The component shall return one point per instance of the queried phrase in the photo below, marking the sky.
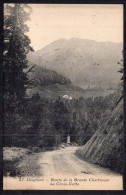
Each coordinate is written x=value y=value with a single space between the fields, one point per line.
x=99 y=22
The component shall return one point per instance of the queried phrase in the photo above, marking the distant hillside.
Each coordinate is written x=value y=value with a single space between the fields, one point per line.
x=50 y=84
x=44 y=77
x=87 y=63
x=106 y=146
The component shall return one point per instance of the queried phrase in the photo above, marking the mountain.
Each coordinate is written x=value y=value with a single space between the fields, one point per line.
x=50 y=84
x=106 y=146
x=87 y=63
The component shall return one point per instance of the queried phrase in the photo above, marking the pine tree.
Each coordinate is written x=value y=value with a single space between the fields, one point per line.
x=122 y=67
x=122 y=75
x=16 y=47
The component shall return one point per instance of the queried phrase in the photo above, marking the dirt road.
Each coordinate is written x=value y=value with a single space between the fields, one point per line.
x=65 y=162
x=61 y=170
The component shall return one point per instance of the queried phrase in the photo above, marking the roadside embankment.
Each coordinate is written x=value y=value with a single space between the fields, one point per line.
x=106 y=146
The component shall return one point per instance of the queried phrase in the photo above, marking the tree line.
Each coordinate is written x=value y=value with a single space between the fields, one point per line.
x=46 y=123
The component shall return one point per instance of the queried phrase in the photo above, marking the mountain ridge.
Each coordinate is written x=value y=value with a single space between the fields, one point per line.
x=71 y=57
x=91 y=40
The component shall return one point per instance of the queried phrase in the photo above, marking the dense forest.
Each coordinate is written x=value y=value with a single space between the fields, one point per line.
x=46 y=123
x=41 y=76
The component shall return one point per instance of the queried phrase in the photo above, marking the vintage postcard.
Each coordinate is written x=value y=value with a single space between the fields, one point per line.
x=63 y=97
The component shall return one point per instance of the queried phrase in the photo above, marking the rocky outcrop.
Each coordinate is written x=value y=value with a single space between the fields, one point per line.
x=106 y=146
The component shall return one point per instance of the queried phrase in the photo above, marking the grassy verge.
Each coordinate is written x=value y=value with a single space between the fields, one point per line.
x=21 y=162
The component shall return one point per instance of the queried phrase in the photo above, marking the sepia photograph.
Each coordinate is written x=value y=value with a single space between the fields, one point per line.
x=63 y=96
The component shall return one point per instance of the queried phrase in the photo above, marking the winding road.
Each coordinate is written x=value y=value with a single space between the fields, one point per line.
x=65 y=162
x=62 y=170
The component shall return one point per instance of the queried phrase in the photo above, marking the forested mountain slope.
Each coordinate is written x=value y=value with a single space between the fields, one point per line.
x=44 y=76
x=50 y=84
